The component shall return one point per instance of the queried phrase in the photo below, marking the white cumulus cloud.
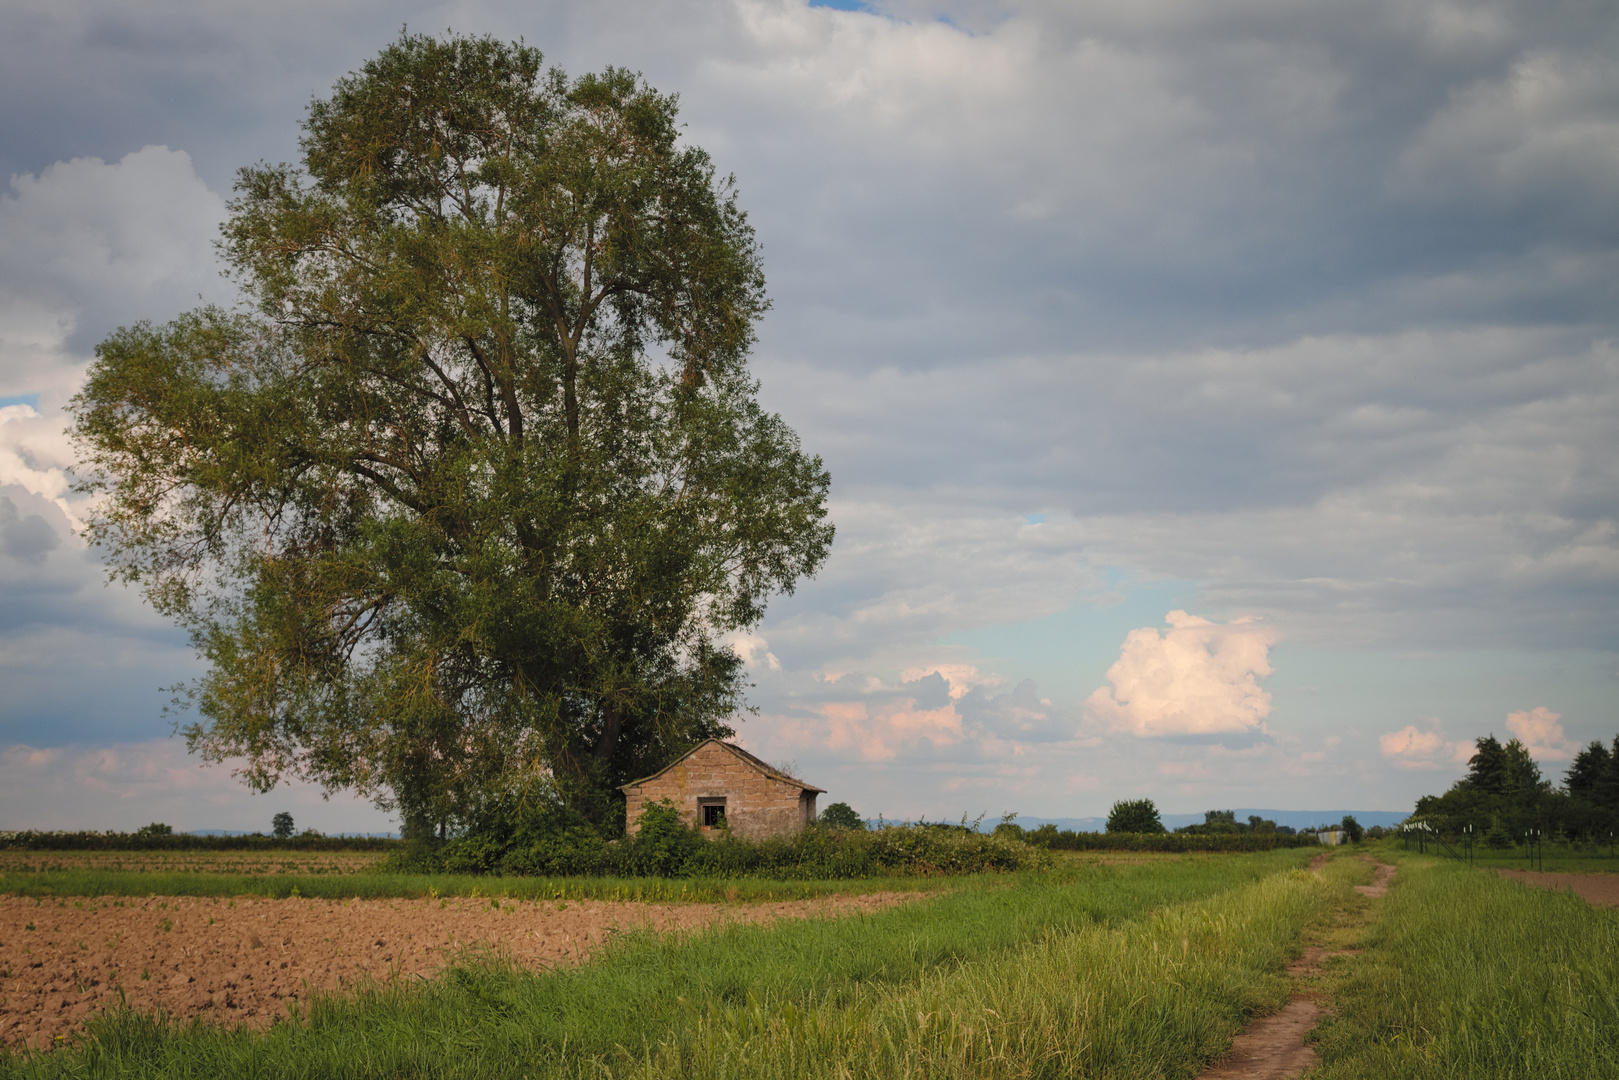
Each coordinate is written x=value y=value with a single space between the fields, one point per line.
x=1197 y=678
x=1540 y=730
x=1413 y=748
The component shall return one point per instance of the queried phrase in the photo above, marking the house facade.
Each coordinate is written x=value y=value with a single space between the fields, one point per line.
x=719 y=785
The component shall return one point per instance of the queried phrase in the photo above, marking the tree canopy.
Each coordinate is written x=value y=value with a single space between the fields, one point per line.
x=474 y=486
x=1134 y=816
x=1504 y=793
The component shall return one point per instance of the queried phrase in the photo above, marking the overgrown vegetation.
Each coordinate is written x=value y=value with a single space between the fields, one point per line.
x=374 y=886
x=1125 y=971
x=1471 y=975
x=527 y=838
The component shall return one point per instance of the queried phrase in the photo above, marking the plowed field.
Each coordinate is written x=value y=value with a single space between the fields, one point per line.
x=246 y=960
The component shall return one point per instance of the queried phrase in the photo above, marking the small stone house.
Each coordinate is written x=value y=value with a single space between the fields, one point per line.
x=718 y=784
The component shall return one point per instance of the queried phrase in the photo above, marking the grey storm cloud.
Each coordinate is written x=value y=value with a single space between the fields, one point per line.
x=26 y=539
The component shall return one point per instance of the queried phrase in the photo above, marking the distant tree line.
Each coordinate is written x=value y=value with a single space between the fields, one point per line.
x=1134 y=825
x=146 y=840
x=1504 y=795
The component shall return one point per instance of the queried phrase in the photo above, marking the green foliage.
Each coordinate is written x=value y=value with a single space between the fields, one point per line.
x=1181 y=841
x=1496 y=836
x=1487 y=768
x=281 y=826
x=1224 y=822
x=840 y=815
x=479 y=487
x=1134 y=816
x=1352 y=829
x=665 y=846
x=1504 y=794
x=156 y=828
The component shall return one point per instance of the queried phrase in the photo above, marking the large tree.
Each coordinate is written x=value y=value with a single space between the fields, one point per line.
x=474 y=486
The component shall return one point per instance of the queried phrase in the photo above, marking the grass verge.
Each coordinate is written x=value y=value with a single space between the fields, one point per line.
x=1120 y=971
x=1471 y=975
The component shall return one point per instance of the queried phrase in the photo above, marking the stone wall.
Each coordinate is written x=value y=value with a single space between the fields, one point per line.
x=756 y=805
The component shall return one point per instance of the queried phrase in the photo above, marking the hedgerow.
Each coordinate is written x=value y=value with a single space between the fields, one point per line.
x=1050 y=837
x=665 y=846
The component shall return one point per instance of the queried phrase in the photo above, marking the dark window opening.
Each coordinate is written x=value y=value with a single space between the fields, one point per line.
x=713 y=814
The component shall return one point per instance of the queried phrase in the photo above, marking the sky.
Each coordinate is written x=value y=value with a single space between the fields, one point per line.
x=1221 y=399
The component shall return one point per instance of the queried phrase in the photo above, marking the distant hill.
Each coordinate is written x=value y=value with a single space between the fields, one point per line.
x=1298 y=819
x=243 y=832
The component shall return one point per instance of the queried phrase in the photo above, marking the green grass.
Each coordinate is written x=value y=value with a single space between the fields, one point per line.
x=92 y=882
x=1102 y=970
x=1554 y=857
x=1467 y=975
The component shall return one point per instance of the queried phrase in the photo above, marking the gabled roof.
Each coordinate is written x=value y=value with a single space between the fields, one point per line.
x=764 y=767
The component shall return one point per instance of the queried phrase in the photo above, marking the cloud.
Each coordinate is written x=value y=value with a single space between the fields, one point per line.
x=1198 y=678
x=26 y=539
x=1199 y=284
x=86 y=245
x=124 y=785
x=962 y=678
x=33 y=456
x=873 y=731
x=1540 y=730
x=753 y=650
x=1411 y=748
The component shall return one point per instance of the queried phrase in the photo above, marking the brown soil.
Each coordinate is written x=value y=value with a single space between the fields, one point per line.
x=1273 y=1047
x=1599 y=889
x=1381 y=885
x=246 y=960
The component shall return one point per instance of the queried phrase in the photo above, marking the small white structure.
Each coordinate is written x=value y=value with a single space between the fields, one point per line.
x=1330 y=837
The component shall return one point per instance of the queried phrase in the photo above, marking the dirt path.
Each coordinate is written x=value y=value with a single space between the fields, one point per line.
x=1601 y=890
x=1273 y=1047
x=245 y=960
